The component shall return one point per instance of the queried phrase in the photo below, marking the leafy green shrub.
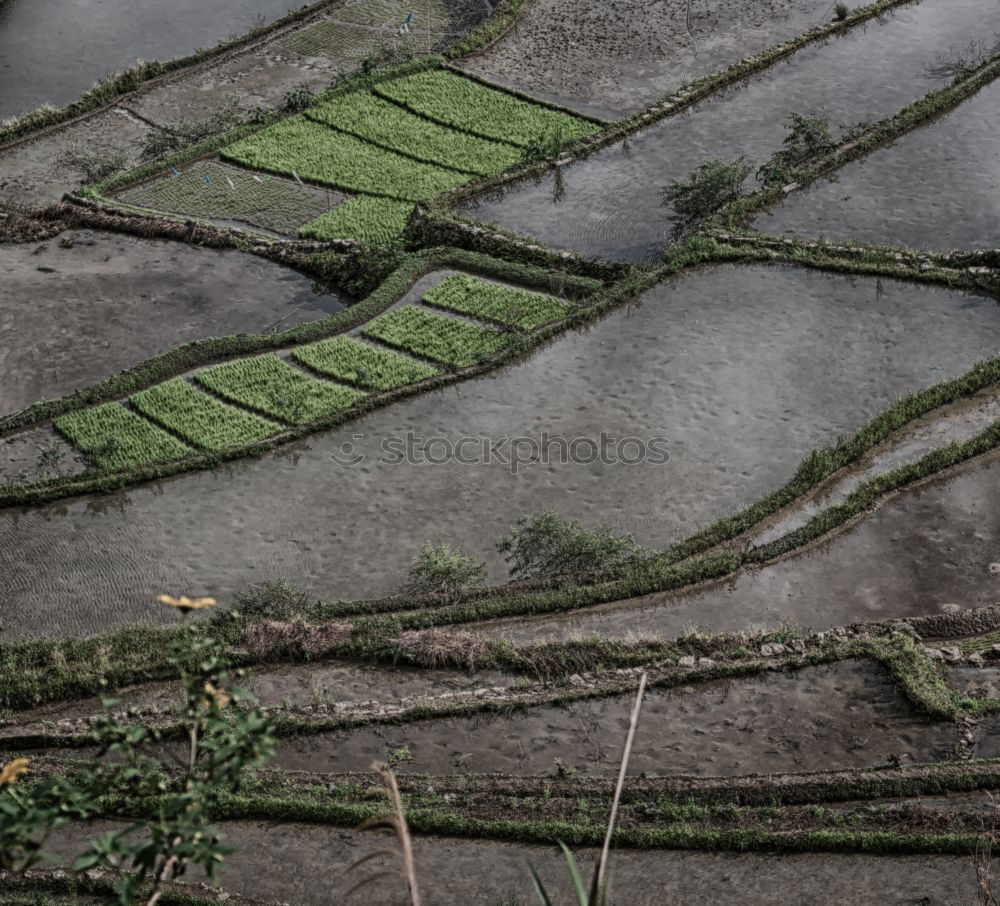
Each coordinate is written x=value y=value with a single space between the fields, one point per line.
x=436 y=337
x=275 y=388
x=493 y=302
x=808 y=137
x=377 y=120
x=366 y=218
x=201 y=419
x=439 y=569
x=548 y=546
x=709 y=186
x=301 y=147
x=453 y=100
x=359 y=363
x=548 y=145
x=116 y=438
x=300 y=97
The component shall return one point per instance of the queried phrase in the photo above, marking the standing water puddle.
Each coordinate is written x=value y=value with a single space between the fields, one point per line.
x=743 y=371
x=609 y=204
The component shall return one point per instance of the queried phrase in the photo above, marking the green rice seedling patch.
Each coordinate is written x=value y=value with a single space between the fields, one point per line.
x=115 y=438
x=312 y=151
x=201 y=419
x=367 y=218
x=212 y=190
x=492 y=302
x=376 y=120
x=336 y=40
x=358 y=363
x=436 y=337
x=452 y=100
x=276 y=388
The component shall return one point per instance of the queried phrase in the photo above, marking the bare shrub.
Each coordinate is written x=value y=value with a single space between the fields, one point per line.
x=280 y=639
x=443 y=648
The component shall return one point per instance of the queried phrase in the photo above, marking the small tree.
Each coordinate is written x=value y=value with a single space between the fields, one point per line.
x=708 y=187
x=439 y=569
x=808 y=137
x=547 y=546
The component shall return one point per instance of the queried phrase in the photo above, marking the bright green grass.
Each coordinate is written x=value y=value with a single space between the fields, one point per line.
x=317 y=153
x=210 y=189
x=361 y=364
x=376 y=120
x=367 y=218
x=452 y=100
x=492 y=302
x=436 y=337
x=276 y=388
x=201 y=419
x=116 y=438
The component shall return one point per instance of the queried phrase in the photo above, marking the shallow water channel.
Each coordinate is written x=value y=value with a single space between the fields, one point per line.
x=610 y=206
x=742 y=371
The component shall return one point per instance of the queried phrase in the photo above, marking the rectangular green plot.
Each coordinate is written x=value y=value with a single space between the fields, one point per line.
x=312 y=151
x=115 y=437
x=366 y=218
x=436 y=336
x=376 y=120
x=361 y=364
x=492 y=302
x=209 y=189
x=201 y=419
x=276 y=388
x=462 y=103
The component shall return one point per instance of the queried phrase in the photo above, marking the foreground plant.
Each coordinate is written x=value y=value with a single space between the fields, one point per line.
x=597 y=895
x=807 y=138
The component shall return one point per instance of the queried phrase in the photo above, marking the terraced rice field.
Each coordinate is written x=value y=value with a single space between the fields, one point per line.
x=655 y=516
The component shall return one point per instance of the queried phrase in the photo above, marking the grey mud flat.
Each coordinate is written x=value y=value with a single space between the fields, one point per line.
x=936 y=188
x=743 y=370
x=610 y=205
x=305 y=864
x=80 y=307
x=926 y=550
x=841 y=715
x=607 y=58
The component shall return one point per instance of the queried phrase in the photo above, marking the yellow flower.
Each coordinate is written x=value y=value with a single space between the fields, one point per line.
x=185 y=603
x=10 y=772
x=220 y=697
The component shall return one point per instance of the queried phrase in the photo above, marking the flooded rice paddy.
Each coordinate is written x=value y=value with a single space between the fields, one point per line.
x=302 y=863
x=935 y=188
x=82 y=306
x=743 y=371
x=609 y=204
x=843 y=715
x=925 y=551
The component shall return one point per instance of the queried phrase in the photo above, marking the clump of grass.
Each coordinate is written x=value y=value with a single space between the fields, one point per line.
x=270 y=640
x=440 y=569
x=444 y=648
x=807 y=138
x=841 y=11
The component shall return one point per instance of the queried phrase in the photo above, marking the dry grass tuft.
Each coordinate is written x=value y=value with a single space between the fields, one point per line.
x=444 y=648
x=279 y=639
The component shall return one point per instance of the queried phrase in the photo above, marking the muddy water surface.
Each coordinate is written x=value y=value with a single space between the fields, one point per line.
x=938 y=187
x=610 y=205
x=84 y=305
x=844 y=715
x=53 y=51
x=925 y=551
x=743 y=371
